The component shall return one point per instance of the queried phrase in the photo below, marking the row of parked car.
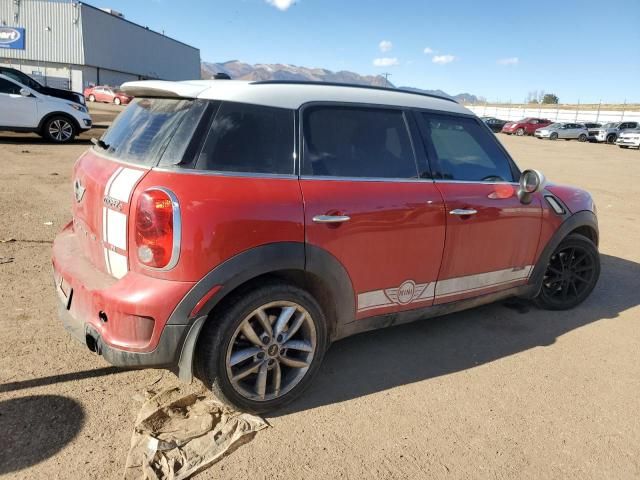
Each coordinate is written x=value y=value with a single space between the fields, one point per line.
x=623 y=134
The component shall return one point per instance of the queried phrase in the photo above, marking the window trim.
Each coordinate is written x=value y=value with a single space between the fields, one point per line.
x=437 y=172
x=406 y=112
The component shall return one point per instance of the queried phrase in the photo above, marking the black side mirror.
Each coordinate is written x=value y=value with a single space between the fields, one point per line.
x=531 y=181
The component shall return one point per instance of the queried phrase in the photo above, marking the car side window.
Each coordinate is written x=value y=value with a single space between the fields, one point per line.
x=247 y=138
x=8 y=87
x=363 y=142
x=464 y=150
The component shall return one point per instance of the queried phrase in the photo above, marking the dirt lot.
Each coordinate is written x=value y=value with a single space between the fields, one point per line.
x=489 y=393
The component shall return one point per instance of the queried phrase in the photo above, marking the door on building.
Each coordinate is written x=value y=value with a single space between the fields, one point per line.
x=16 y=110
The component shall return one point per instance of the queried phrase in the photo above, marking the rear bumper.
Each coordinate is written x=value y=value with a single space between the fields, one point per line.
x=124 y=320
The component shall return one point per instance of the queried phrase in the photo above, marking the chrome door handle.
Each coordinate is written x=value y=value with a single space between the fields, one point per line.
x=331 y=218
x=463 y=211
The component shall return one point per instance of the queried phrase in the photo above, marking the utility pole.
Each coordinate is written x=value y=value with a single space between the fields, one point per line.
x=386 y=76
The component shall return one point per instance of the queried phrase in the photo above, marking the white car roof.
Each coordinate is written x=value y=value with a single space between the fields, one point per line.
x=290 y=95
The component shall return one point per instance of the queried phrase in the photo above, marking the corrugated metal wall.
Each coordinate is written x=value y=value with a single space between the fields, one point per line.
x=114 y=44
x=53 y=30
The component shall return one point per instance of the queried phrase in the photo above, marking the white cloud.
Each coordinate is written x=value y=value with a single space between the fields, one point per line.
x=509 y=61
x=428 y=51
x=442 y=59
x=385 y=46
x=281 y=4
x=385 y=62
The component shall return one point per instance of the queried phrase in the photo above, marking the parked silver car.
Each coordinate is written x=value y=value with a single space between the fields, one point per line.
x=609 y=131
x=564 y=130
x=629 y=138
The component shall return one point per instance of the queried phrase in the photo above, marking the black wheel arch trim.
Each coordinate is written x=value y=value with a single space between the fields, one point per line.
x=48 y=116
x=578 y=220
x=265 y=259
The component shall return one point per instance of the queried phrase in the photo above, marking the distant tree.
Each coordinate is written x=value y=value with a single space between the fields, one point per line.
x=550 y=98
x=532 y=97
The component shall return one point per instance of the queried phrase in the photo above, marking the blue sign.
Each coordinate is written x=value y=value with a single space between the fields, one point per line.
x=12 y=38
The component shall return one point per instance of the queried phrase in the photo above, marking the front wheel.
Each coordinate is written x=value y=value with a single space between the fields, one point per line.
x=582 y=137
x=553 y=136
x=59 y=129
x=117 y=101
x=520 y=132
x=264 y=348
x=92 y=98
x=572 y=274
x=611 y=139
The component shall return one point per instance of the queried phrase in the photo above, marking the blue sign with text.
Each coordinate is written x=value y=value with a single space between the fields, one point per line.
x=11 y=37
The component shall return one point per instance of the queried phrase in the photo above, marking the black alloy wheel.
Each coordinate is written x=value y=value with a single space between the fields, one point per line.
x=572 y=274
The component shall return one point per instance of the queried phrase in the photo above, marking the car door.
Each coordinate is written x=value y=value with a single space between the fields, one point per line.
x=366 y=204
x=531 y=126
x=491 y=237
x=17 y=110
x=565 y=131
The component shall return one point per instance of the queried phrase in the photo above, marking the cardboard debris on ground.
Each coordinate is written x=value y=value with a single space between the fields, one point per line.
x=177 y=435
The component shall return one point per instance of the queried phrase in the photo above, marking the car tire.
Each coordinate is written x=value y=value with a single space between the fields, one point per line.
x=117 y=101
x=571 y=275
x=553 y=136
x=611 y=138
x=520 y=132
x=92 y=98
x=236 y=342
x=59 y=129
x=582 y=138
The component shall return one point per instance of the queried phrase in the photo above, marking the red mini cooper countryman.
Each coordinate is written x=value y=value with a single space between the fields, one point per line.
x=233 y=230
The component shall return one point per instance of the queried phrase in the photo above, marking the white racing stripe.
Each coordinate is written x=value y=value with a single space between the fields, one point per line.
x=410 y=292
x=114 y=223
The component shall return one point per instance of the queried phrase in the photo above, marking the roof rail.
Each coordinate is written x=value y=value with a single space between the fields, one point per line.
x=351 y=85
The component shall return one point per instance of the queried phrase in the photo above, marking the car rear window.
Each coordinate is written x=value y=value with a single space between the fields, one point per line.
x=142 y=132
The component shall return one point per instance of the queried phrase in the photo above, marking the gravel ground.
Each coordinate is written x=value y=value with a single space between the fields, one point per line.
x=496 y=392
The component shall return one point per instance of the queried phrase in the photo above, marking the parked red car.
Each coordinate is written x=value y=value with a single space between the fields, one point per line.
x=526 y=126
x=107 y=95
x=233 y=230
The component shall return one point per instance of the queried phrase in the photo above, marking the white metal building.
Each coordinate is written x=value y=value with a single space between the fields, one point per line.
x=70 y=44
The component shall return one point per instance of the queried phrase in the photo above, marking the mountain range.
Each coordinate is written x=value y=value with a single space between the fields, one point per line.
x=281 y=71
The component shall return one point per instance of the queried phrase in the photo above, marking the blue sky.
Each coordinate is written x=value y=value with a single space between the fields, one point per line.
x=580 y=50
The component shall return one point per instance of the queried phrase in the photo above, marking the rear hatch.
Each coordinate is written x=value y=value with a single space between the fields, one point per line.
x=106 y=176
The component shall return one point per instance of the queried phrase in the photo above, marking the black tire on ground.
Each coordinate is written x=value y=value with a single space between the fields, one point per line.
x=583 y=137
x=92 y=98
x=572 y=274
x=59 y=129
x=520 y=132
x=223 y=334
x=553 y=136
x=611 y=138
x=117 y=101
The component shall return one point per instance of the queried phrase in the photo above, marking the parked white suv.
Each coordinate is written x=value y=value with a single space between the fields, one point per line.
x=629 y=138
x=25 y=110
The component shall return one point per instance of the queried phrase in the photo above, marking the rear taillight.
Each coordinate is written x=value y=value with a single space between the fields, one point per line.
x=157 y=228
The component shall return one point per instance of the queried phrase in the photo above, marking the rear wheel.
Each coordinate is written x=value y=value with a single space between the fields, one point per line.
x=553 y=136
x=572 y=274
x=59 y=129
x=582 y=137
x=520 y=132
x=264 y=348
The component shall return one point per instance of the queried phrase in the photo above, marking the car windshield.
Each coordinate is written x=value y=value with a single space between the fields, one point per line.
x=144 y=130
x=610 y=125
x=555 y=125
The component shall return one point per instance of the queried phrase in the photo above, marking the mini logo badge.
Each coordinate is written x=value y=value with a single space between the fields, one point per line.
x=78 y=190
x=407 y=292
